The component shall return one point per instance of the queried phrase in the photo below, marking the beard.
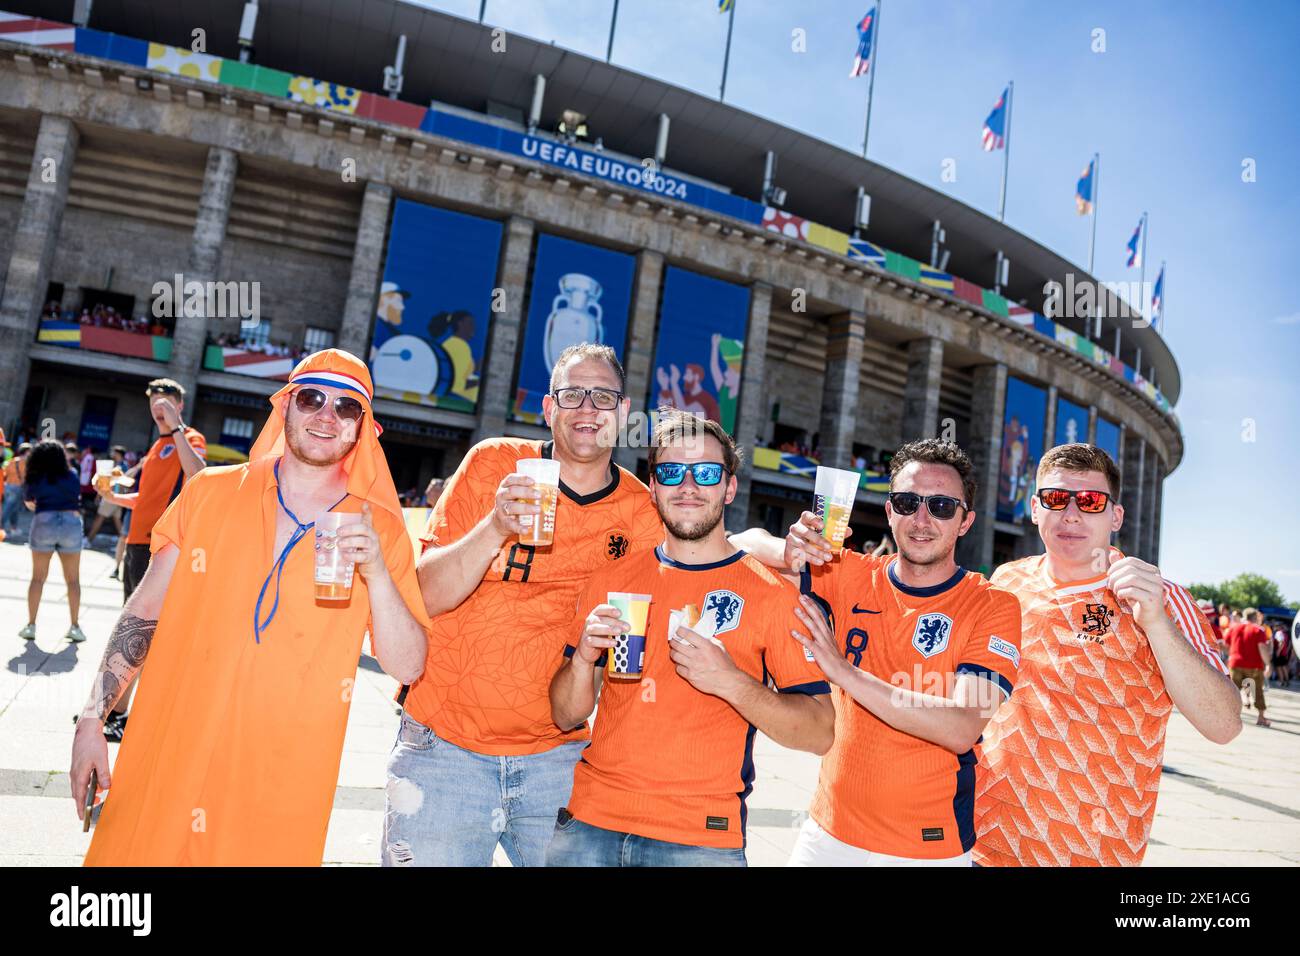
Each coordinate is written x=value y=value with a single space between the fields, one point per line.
x=922 y=560
x=696 y=530
x=302 y=448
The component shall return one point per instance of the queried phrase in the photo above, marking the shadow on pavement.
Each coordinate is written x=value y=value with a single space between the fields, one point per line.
x=33 y=660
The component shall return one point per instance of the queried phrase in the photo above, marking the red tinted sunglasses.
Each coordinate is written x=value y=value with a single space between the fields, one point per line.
x=1058 y=499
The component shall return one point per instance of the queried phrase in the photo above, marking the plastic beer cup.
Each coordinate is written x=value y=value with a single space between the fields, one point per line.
x=333 y=572
x=833 y=502
x=626 y=658
x=539 y=529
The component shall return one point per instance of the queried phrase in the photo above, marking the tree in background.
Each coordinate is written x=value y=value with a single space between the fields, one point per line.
x=1245 y=590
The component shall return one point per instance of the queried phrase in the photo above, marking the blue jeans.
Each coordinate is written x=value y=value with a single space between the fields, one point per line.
x=13 y=503
x=579 y=844
x=56 y=531
x=447 y=806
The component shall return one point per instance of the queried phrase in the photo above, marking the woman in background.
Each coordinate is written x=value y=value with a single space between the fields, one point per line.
x=53 y=491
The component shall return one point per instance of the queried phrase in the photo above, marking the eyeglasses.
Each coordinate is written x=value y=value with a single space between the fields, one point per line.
x=603 y=399
x=704 y=473
x=312 y=400
x=1058 y=499
x=942 y=507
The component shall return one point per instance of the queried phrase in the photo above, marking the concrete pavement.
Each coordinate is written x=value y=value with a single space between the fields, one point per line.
x=1219 y=806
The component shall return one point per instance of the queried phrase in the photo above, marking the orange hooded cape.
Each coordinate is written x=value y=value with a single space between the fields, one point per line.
x=233 y=749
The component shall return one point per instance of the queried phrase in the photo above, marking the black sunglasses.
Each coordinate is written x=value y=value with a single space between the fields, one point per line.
x=603 y=399
x=942 y=507
x=704 y=473
x=312 y=400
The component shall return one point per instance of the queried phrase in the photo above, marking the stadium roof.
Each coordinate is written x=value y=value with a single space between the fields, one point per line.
x=449 y=59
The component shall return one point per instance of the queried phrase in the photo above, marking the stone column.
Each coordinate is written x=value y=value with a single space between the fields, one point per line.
x=1133 y=481
x=367 y=271
x=28 y=275
x=507 y=327
x=840 y=388
x=753 y=399
x=190 y=335
x=1150 y=495
x=1092 y=424
x=921 y=393
x=641 y=345
x=988 y=403
x=1157 y=503
x=1049 y=427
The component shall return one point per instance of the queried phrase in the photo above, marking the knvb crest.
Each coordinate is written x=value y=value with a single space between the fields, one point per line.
x=1096 y=618
x=931 y=634
x=725 y=606
x=616 y=545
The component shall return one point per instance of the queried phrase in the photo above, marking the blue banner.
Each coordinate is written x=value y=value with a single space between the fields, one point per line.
x=435 y=305
x=701 y=346
x=589 y=162
x=1108 y=438
x=580 y=293
x=1023 y=424
x=1071 y=422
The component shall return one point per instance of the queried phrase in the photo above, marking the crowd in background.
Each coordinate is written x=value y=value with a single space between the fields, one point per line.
x=1256 y=648
x=230 y=340
x=104 y=316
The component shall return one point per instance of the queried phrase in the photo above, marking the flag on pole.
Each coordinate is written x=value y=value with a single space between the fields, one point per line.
x=1083 y=190
x=725 y=5
x=995 y=127
x=1158 y=299
x=862 y=59
x=1135 y=247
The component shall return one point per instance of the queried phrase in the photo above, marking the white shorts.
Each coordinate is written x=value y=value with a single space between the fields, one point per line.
x=816 y=847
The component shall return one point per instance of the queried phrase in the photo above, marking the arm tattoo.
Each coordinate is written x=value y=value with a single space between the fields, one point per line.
x=130 y=643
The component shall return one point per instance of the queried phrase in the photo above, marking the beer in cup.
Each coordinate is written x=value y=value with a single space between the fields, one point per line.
x=833 y=502
x=625 y=660
x=333 y=571
x=539 y=529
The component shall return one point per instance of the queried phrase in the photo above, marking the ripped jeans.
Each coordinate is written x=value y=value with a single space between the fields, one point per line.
x=447 y=806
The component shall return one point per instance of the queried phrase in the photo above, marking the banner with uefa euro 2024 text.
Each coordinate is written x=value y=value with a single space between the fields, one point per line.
x=1023 y=424
x=701 y=346
x=435 y=305
x=1071 y=422
x=580 y=293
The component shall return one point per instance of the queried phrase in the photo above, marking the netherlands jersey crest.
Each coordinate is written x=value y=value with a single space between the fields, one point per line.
x=725 y=606
x=931 y=634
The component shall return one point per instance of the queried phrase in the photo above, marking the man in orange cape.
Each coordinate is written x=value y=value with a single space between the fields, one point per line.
x=237 y=732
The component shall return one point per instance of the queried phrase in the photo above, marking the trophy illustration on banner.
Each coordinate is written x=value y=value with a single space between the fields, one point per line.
x=575 y=316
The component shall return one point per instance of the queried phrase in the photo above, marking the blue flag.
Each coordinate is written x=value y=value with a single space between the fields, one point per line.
x=1083 y=191
x=1158 y=300
x=995 y=127
x=1135 y=247
x=862 y=59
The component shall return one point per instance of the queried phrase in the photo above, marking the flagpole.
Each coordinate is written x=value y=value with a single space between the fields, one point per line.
x=609 y=52
x=726 y=58
x=871 y=83
x=1006 y=156
x=1164 y=298
x=1096 y=201
x=1142 y=275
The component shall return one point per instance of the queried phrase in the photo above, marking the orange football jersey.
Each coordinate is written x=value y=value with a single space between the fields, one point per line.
x=160 y=482
x=1070 y=767
x=487 y=675
x=667 y=761
x=881 y=789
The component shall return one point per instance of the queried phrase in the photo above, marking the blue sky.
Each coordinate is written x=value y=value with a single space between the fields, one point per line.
x=1183 y=94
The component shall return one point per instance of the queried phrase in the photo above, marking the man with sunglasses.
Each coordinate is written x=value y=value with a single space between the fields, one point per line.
x=921 y=653
x=237 y=731
x=1071 y=765
x=478 y=761
x=670 y=764
x=176 y=457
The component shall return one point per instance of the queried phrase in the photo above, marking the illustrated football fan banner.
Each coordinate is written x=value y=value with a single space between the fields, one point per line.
x=1071 y=422
x=435 y=304
x=1023 y=424
x=580 y=293
x=1108 y=438
x=701 y=346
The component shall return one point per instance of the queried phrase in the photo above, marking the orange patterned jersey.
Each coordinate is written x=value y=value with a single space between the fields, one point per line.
x=667 y=761
x=1071 y=764
x=487 y=675
x=881 y=789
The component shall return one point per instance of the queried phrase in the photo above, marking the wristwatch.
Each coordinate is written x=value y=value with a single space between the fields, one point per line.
x=178 y=428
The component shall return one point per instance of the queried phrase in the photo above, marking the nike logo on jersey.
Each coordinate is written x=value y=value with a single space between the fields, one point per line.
x=862 y=610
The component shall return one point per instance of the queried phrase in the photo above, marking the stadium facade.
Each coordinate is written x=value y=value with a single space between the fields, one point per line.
x=238 y=212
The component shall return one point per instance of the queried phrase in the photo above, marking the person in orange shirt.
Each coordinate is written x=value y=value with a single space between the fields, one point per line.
x=671 y=759
x=15 y=474
x=1070 y=769
x=246 y=679
x=478 y=760
x=921 y=653
x=164 y=471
